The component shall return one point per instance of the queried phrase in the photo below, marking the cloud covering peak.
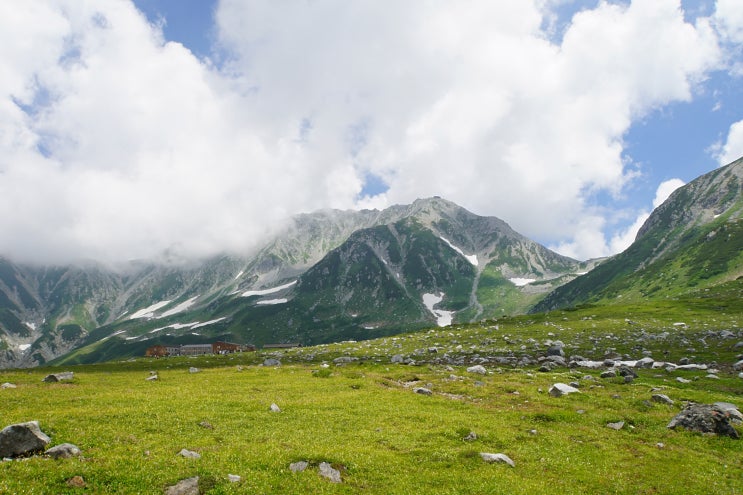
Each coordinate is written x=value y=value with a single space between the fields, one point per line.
x=116 y=143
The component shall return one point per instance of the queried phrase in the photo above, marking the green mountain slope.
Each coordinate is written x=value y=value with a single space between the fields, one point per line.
x=692 y=242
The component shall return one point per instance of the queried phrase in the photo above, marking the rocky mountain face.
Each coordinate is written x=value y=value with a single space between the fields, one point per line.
x=692 y=242
x=330 y=275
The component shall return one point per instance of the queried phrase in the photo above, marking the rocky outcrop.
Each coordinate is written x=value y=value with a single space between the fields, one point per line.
x=22 y=439
x=705 y=418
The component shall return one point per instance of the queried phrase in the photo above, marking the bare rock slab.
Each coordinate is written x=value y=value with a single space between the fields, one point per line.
x=488 y=457
x=22 y=439
x=560 y=389
x=189 y=486
x=329 y=472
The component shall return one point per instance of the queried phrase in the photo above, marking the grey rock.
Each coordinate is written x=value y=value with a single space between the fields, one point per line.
x=477 y=369
x=193 y=370
x=422 y=391
x=608 y=374
x=616 y=426
x=59 y=377
x=738 y=366
x=298 y=467
x=682 y=380
x=271 y=362
x=555 y=350
x=189 y=486
x=329 y=472
x=488 y=457
x=662 y=398
x=234 y=478
x=7 y=385
x=22 y=439
x=275 y=408
x=704 y=418
x=344 y=360
x=731 y=410
x=397 y=359
x=560 y=389
x=626 y=371
x=471 y=437
x=151 y=378
x=63 y=451
x=189 y=454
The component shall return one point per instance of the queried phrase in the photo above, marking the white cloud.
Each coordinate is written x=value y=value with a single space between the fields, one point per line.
x=733 y=147
x=665 y=189
x=115 y=144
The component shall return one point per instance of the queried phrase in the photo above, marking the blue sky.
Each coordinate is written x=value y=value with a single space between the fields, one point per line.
x=212 y=122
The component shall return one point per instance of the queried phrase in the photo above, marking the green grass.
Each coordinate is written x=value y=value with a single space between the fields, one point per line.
x=365 y=419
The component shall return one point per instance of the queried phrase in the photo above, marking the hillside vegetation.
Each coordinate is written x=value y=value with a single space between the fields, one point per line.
x=349 y=405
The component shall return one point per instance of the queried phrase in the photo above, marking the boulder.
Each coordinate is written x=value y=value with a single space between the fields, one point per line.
x=189 y=454
x=705 y=418
x=560 y=389
x=477 y=369
x=298 y=467
x=662 y=398
x=271 y=362
x=275 y=408
x=63 y=451
x=422 y=391
x=59 y=377
x=7 y=385
x=22 y=439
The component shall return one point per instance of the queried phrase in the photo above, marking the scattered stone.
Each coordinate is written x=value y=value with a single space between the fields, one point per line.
x=329 y=472
x=616 y=426
x=76 y=482
x=63 y=451
x=487 y=457
x=471 y=436
x=59 y=377
x=608 y=374
x=477 y=369
x=626 y=371
x=660 y=445
x=560 y=389
x=193 y=370
x=271 y=362
x=7 y=385
x=22 y=439
x=151 y=378
x=532 y=432
x=662 y=398
x=555 y=350
x=275 y=408
x=682 y=380
x=705 y=418
x=422 y=391
x=344 y=360
x=206 y=425
x=234 y=478
x=189 y=486
x=298 y=467
x=738 y=366
x=397 y=359
x=189 y=454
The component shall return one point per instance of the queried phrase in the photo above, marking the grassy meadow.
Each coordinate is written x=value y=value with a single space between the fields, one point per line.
x=364 y=418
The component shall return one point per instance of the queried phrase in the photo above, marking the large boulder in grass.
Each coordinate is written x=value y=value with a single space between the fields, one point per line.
x=64 y=376
x=22 y=439
x=705 y=418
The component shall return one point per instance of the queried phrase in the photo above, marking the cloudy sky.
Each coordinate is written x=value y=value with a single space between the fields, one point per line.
x=133 y=128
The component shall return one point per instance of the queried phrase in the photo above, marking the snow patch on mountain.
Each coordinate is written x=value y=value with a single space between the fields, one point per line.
x=443 y=318
x=264 y=292
x=272 y=301
x=520 y=282
x=149 y=311
x=181 y=307
x=472 y=258
x=24 y=347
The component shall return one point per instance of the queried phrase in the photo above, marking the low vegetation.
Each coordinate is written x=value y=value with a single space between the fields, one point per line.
x=362 y=416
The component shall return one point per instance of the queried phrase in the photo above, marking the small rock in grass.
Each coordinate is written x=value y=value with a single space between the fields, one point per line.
x=63 y=451
x=189 y=454
x=151 y=378
x=189 y=486
x=76 y=482
x=7 y=385
x=234 y=478
x=487 y=457
x=206 y=425
x=271 y=362
x=58 y=377
x=662 y=398
x=682 y=380
x=616 y=426
x=275 y=408
x=471 y=436
x=298 y=467
x=422 y=391
x=329 y=472
x=193 y=370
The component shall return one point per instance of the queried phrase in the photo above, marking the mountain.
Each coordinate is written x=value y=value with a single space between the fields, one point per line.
x=326 y=276
x=690 y=243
